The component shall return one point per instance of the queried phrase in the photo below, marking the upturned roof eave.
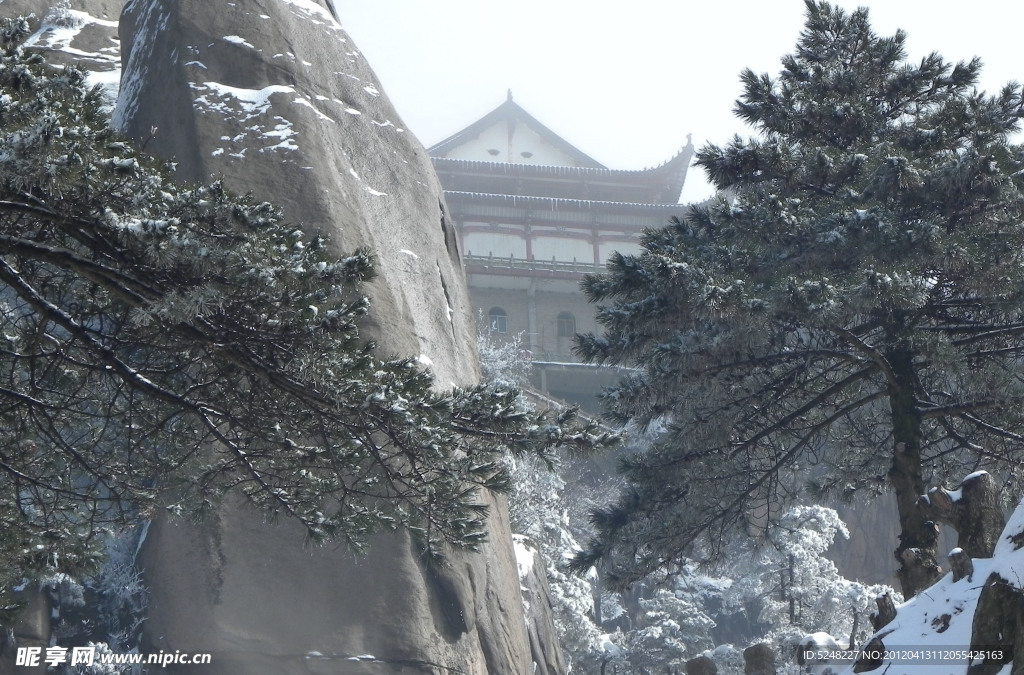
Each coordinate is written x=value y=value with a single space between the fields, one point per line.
x=553 y=202
x=667 y=178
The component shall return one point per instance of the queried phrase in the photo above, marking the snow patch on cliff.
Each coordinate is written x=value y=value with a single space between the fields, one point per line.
x=238 y=40
x=315 y=13
x=59 y=30
x=236 y=102
x=525 y=555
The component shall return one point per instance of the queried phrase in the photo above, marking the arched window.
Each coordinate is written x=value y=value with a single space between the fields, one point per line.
x=498 y=320
x=566 y=325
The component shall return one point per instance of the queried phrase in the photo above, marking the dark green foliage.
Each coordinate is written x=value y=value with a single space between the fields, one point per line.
x=848 y=314
x=162 y=347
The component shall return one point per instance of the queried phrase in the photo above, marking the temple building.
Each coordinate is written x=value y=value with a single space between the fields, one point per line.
x=534 y=214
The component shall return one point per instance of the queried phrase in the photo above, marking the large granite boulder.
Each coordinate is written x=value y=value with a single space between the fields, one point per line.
x=274 y=98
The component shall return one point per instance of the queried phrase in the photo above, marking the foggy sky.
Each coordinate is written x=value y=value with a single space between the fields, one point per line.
x=626 y=82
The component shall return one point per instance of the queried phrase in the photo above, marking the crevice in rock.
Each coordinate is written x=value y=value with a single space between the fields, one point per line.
x=449 y=310
x=451 y=242
x=448 y=603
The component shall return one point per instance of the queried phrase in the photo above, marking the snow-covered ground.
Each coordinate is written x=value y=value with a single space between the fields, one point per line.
x=931 y=634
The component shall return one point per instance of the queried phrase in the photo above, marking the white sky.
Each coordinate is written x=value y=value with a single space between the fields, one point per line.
x=626 y=81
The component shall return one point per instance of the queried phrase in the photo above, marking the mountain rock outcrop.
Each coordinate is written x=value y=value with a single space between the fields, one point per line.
x=539 y=614
x=272 y=97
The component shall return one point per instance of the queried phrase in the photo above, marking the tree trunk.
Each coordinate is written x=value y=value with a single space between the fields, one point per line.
x=789 y=590
x=918 y=535
x=853 y=630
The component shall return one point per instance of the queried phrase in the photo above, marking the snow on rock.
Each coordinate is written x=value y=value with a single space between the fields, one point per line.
x=317 y=14
x=83 y=34
x=930 y=628
x=237 y=40
x=235 y=102
x=525 y=555
x=540 y=622
x=1008 y=558
x=820 y=640
x=608 y=647
x=972 y=476
x=940 y=617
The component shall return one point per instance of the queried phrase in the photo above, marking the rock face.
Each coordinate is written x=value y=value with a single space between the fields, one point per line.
x=984 y=612
x=31 y=630
x=540 y=623
x=999 y=618
x=273 y=97
x=973 y=510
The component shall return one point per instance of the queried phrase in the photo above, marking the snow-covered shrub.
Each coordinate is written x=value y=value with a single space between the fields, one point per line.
x=728 y=659
x=105 y=609
x=797 y=588
x=537 y=510
x=669 y=631
x=503 y=358
x=98 y=668
x=121 y=597
x=62 y=16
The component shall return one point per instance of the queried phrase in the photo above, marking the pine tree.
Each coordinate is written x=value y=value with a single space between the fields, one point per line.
x=163 y=346
x=846 y=318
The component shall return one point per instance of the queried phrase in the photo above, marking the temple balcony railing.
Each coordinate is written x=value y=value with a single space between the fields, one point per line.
x=573 y=267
